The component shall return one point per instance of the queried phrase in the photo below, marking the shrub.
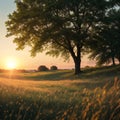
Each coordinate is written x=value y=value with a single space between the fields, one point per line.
x=42 y=68
x=53 y=68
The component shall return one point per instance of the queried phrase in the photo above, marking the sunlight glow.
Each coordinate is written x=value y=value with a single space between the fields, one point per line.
x=11 y=63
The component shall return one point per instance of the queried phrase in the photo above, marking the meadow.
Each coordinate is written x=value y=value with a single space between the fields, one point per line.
x=61 y=95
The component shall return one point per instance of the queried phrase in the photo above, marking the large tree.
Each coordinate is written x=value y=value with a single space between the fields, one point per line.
x=59 y=27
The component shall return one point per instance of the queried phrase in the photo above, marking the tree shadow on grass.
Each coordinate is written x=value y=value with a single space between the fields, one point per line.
x=101 y=73
x=54 y=75
x=91 y=74
x=97 y=74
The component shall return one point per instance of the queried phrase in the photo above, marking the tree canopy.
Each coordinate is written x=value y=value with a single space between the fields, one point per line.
x=106 y=47
x=59 y=27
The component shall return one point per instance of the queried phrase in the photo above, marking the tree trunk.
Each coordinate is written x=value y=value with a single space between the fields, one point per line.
x=119 y=60
x=113 y=61
x=76 y=57
x=77 y=60
x=77 y=66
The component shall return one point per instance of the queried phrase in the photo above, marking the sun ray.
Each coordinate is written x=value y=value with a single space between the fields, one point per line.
x=11 y=63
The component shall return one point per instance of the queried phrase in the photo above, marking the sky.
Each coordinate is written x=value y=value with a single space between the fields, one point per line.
x=23 y=58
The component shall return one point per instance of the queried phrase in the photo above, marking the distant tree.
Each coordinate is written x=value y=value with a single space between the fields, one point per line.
x=59 y=27
x=53 y=68
x=106 y=45
x=42 y=68
x=116 y=16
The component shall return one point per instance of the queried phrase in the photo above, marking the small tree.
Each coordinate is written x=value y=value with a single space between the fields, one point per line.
x=53 y=68
x=42 y=68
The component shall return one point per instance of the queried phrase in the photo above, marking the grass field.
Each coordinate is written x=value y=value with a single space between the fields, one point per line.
x=60 y=95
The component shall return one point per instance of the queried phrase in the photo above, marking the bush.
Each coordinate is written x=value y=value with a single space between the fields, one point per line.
x=53 y=68
x=42 y=68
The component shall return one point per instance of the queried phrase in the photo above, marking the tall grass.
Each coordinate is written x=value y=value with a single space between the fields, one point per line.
x=101 y=104
x=56 y=100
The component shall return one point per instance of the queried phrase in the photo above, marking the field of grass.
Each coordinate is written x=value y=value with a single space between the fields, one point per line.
x=60 y=95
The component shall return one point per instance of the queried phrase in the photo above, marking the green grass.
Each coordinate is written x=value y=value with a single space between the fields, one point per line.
x=60 y=95
x=96 y=73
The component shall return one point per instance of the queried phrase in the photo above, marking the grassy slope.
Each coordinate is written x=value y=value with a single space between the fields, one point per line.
x=89 y=78
x=59 y=94
x=88 y=73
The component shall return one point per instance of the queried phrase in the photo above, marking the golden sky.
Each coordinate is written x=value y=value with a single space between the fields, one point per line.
x=23 y=58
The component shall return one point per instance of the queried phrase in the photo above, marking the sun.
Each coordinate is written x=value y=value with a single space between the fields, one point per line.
x=11 y=63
